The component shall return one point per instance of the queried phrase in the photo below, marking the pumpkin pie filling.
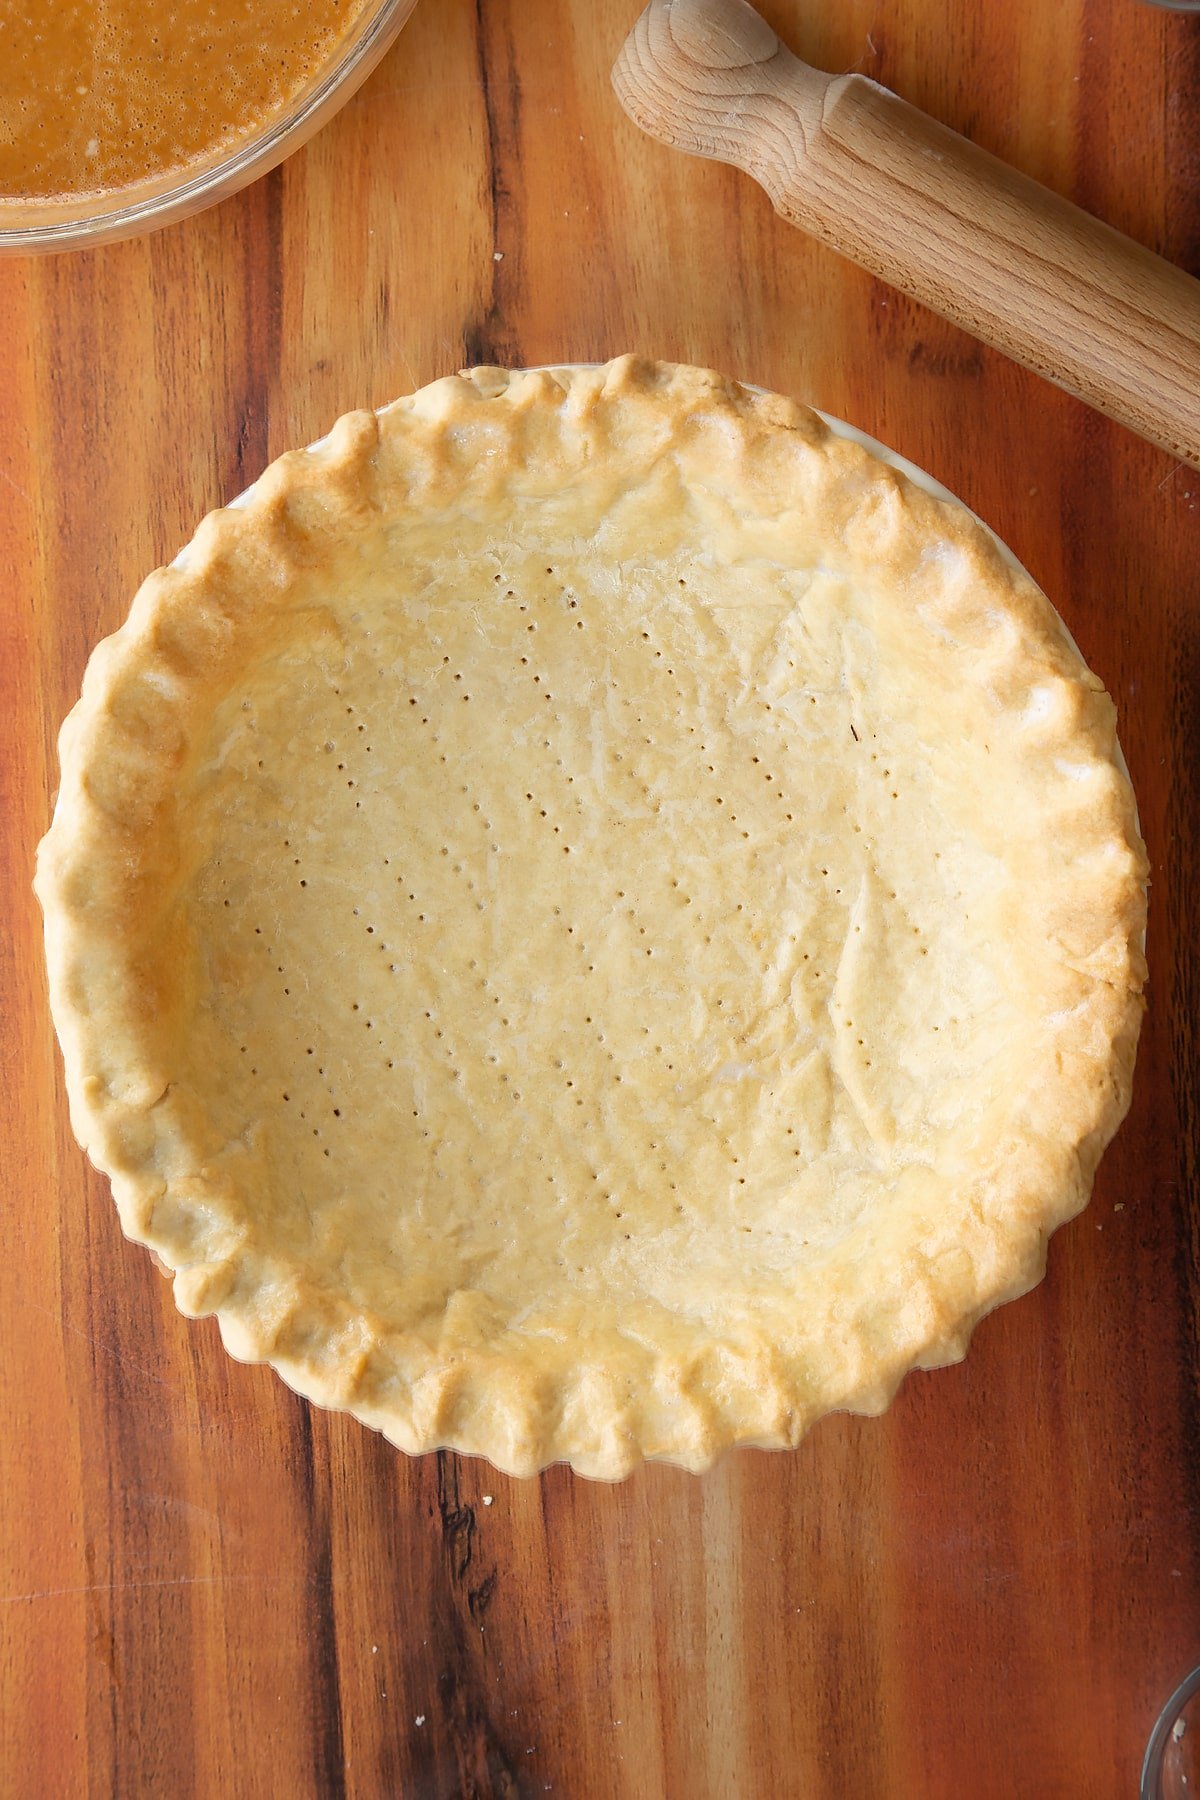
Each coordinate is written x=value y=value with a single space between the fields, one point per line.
x=101 y=95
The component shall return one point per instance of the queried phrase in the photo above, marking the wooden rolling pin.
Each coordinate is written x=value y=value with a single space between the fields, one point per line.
x=927 y=211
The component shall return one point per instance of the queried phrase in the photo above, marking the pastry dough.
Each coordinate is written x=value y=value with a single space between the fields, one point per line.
x=588 y=918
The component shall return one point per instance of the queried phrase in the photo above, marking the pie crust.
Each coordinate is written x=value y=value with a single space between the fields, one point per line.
x=588 y=918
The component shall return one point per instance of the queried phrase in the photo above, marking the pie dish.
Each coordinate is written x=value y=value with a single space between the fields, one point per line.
x=588 y=918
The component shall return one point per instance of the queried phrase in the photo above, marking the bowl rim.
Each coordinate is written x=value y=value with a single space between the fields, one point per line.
x=1150 y=1787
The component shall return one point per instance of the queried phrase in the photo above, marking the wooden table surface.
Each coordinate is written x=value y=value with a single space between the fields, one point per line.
x=207 y=1587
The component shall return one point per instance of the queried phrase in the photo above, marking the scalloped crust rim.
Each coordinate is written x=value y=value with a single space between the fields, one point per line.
x=105 y=880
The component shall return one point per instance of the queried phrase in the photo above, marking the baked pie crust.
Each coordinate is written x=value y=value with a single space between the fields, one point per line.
x=589 y=918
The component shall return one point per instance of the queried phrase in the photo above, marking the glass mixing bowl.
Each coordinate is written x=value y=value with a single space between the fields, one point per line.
x=1171 y=1770
x=82 y=220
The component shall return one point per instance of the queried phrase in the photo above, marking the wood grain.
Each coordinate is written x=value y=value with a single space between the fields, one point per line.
x=923 y=208
x=207 y=1588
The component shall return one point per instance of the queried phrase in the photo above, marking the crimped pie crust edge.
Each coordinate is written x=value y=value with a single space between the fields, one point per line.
x=121 y=749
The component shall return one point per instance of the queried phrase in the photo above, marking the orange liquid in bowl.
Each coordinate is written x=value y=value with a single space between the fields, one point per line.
x=99 y=95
